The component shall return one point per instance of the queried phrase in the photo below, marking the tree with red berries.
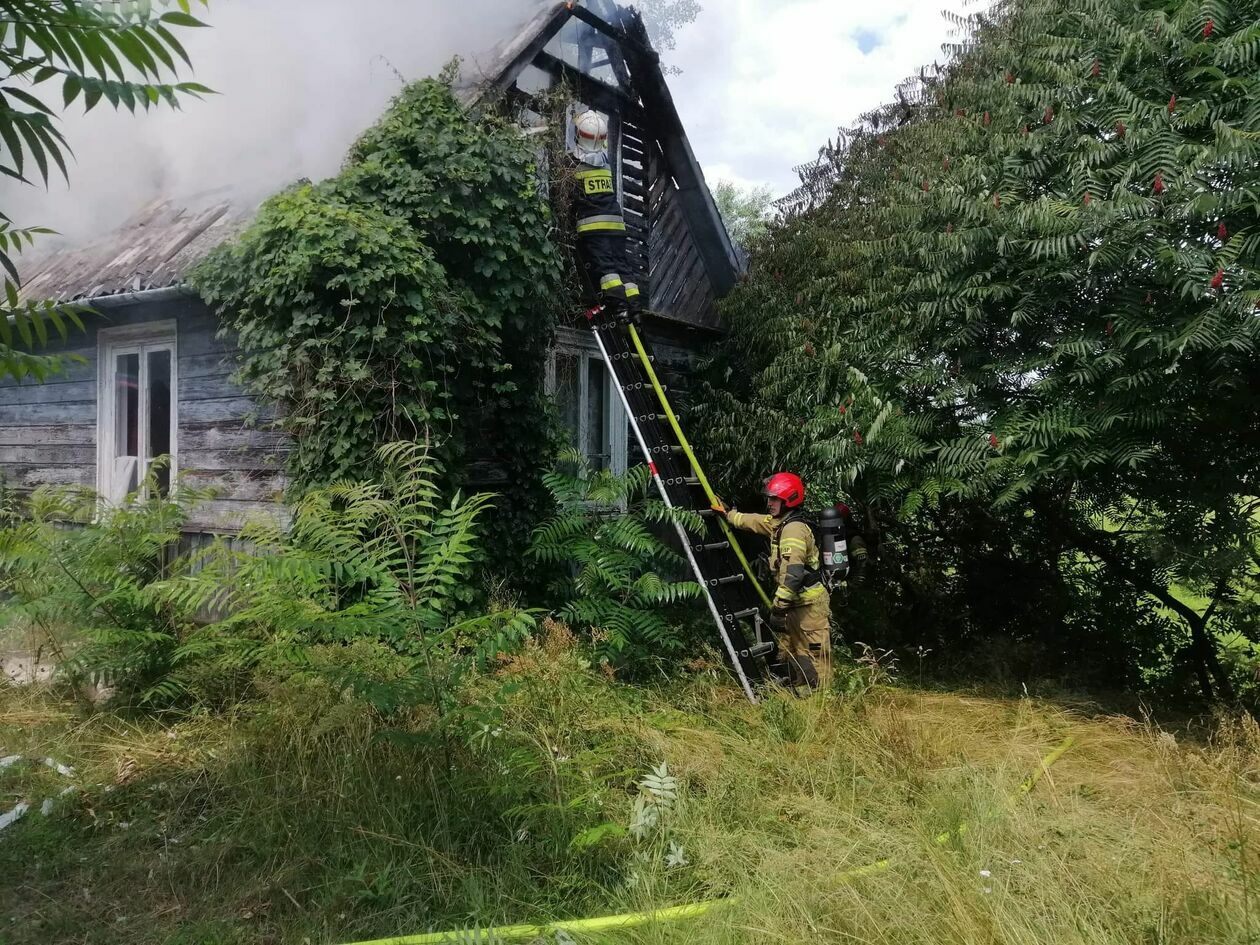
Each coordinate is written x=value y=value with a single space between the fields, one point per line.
x=1078 y=285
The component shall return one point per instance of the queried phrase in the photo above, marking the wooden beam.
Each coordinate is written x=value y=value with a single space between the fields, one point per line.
x=627 y=41
x=703 y=219
x=518 y=58
x=512 y=58
x=591 y=91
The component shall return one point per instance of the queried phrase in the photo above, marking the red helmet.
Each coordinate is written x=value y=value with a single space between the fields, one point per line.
x=786 y=486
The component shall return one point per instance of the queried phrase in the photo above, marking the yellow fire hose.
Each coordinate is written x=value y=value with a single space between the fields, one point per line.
x=695 y=464
x=630 y=920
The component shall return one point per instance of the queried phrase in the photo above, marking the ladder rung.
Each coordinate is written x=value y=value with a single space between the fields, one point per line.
x=741 y=614
x=729 y=579
x=692 y=480
x=760 y=649
x=705 y=513
x=715 y=546
x=645 y=417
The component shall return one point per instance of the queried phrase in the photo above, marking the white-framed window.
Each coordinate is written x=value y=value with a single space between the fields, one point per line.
x=582 y=389
x=137 y=407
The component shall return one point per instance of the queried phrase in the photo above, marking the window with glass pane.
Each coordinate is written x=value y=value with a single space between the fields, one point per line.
x=598 y=426
x=589 y=408
x=137 y=405
x=158 y=400
x=567 y=391
x=126 y=423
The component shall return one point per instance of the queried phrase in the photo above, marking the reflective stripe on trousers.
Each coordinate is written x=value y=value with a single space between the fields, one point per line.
x=601 y=222
x=806 y=596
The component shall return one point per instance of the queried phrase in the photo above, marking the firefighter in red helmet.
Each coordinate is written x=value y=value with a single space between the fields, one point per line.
x=802 y=606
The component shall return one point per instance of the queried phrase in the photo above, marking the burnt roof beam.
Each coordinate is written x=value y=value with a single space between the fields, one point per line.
x=597 y=94
x=547 y=31
x=614 y=32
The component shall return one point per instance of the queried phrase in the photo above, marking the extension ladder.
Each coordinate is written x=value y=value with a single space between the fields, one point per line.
x=734 y=596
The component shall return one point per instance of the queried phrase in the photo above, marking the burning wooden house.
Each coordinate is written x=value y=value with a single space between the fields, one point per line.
x=156 y=373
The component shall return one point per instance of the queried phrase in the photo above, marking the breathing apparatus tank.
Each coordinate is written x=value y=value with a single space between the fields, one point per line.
x=834 y=545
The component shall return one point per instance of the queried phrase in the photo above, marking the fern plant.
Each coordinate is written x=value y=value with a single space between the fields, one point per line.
x=616 y=576
x=385 y=561
x=82 y=575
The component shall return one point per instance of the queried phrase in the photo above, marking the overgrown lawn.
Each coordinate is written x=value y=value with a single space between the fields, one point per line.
x=304 y=815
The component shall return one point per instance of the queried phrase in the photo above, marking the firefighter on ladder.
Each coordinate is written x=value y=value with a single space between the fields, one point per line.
x=801 y=606
x=598 y=219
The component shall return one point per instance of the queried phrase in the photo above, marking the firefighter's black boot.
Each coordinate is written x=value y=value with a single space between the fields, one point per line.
x=625 y=315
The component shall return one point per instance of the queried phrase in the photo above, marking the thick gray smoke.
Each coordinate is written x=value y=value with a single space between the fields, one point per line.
x=298 y=80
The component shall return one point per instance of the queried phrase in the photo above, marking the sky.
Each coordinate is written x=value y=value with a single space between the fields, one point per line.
x=763 y=84
x=766 y=82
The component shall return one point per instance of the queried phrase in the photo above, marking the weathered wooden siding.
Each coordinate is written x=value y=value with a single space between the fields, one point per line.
x=48 y=431
x=679 y=281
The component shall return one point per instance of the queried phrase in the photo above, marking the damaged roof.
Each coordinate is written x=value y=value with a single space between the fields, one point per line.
x=155 y=249
x=684 y=252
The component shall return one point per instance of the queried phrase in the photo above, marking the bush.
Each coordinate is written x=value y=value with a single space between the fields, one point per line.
x=384 y=562
x=83 y=576
x=615 y=577
x=415 y=291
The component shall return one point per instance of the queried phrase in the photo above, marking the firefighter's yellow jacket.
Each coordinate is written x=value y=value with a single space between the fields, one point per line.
x=794 y=557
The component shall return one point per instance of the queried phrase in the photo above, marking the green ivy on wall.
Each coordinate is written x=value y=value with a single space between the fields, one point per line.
x=412 y=295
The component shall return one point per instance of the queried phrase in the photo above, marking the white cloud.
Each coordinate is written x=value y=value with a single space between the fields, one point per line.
x=766 y=82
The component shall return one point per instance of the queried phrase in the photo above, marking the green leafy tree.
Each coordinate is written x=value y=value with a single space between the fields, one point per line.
x=118 y=52
x=1027 y=288
x=745 y=211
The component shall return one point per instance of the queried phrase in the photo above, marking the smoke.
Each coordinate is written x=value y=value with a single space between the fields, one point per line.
x=298 y=81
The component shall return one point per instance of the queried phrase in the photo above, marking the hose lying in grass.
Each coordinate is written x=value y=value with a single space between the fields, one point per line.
x=629 y=920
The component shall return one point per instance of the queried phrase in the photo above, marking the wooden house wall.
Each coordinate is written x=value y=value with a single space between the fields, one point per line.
x=660 y=245
x=48 y=431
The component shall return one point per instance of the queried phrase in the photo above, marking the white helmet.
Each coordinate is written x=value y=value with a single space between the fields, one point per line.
x=590 y=135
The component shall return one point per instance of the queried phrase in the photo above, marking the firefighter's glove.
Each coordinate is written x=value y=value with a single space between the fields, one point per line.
x=778 y=620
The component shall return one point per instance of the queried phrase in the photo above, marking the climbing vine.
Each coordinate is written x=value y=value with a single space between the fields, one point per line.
x=410 y=296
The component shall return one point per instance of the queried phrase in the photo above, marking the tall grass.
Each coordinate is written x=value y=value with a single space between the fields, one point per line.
x=309 y=815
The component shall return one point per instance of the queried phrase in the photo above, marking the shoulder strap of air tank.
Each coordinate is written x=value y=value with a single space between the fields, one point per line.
x=798 y=516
